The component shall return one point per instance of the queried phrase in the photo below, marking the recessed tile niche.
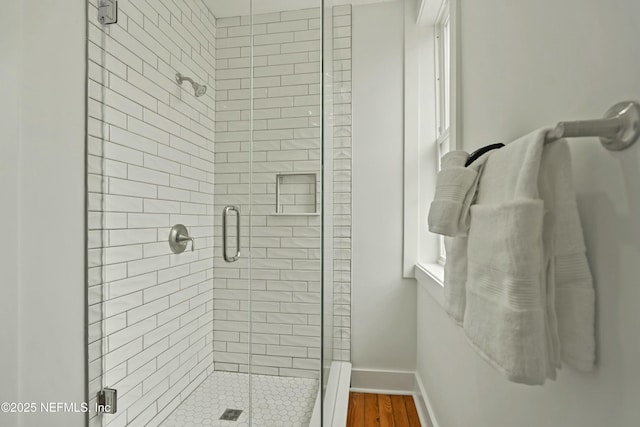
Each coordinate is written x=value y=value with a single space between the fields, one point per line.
x=297 y=194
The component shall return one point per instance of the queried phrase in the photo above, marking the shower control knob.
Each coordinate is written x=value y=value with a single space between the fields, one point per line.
x=178 y=238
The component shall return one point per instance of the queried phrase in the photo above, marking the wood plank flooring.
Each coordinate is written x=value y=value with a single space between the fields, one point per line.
x=372 y=410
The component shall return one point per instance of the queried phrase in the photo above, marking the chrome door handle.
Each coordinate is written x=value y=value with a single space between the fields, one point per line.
x=225 y=214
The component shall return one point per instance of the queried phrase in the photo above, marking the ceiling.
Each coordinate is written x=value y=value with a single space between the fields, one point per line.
x=224 y=8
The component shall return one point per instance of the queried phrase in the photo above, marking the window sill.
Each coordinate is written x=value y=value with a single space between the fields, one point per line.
x=431 y=278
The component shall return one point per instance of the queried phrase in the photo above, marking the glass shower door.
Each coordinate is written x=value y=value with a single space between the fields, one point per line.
x=157 y=282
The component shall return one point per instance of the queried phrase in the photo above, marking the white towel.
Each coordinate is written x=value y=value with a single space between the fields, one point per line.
x=456 y=187
x=455 y=277
x=525 y=240
x=573 y=286
x=455 y=190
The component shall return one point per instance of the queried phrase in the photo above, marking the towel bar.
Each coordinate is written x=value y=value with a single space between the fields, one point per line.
x=618 y=130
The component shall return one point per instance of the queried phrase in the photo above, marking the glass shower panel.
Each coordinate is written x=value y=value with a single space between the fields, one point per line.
x=337 y=157
x=328 y=205
x=286 y=212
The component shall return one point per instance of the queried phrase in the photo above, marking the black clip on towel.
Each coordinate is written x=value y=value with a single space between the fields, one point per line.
x=480 y=151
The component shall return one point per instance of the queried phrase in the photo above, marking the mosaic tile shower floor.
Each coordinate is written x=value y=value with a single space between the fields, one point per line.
x=277 y=402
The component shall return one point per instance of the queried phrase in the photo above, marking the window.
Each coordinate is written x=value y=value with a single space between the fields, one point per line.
x=443 y=91
x=431 y=118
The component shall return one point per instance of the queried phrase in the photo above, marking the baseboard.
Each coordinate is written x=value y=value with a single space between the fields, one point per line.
x=382 y=382
x=423 y=404
x=395 y=382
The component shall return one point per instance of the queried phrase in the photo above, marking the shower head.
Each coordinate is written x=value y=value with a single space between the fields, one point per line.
x=198 y=89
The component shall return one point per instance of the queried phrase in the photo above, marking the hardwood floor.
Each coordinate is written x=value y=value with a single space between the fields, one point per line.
x=371 y=410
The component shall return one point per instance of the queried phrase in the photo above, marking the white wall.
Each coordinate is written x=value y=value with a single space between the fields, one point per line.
x=9 y=143
x=52 y=207
x=525 y=65
x=383 y=304
x=42 y=187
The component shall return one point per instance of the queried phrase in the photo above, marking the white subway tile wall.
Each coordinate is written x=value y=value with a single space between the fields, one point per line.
x=150 y=166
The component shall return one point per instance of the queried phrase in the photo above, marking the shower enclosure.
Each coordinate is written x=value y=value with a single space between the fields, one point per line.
x=219 y=212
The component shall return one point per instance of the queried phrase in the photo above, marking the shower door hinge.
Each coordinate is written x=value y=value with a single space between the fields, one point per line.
x=107 y=11
x=107 y=401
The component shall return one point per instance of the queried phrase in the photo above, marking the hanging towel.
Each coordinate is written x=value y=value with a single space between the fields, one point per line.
x=455 y=277
x=572 y=282
x=456 y=187
x=526 y=262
